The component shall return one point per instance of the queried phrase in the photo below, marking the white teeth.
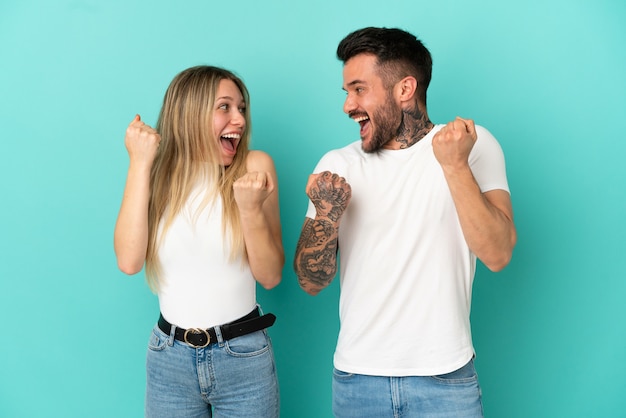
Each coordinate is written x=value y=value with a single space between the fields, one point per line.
x=360 y=119
x=231 y=136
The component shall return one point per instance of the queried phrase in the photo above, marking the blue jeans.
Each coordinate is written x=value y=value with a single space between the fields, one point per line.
x=455 y=394
x=234 y=378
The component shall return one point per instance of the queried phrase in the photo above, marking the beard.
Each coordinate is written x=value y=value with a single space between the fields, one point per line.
x=387 y=125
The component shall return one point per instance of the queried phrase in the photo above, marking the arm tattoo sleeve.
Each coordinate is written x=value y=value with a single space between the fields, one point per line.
x=315 y=262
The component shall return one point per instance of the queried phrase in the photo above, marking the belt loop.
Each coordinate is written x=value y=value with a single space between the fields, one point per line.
x=170 y=340
x=218 y=334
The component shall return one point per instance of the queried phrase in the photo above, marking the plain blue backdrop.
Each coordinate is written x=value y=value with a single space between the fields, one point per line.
x=547 y=78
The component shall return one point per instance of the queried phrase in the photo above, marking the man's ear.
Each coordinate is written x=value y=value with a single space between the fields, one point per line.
x=406 y=88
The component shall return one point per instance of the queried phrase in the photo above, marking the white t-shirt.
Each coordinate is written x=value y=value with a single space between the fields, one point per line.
x=199 y=287
x=406 y=271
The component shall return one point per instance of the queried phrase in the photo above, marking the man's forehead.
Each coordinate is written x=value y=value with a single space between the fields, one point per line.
x=360 y=69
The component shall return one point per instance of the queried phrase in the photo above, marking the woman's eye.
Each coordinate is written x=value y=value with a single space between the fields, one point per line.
x=243 y=110
x=223 y=106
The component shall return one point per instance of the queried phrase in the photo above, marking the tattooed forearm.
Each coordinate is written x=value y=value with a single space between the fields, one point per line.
x=315 y=262
x=317 y=233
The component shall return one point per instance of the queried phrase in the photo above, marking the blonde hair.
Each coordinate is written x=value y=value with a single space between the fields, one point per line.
x=189 y=153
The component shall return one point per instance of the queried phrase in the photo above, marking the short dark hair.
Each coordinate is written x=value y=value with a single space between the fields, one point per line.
x=398 y=53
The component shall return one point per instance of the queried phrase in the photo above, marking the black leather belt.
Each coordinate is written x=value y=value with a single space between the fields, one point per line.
x=199 y=338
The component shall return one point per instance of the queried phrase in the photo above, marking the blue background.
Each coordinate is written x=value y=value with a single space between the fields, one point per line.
x=547 y=78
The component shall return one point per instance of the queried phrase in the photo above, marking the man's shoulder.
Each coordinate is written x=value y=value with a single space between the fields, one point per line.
x=485 y=140
x=352 y=150
x=337 y=160
x=484 y=133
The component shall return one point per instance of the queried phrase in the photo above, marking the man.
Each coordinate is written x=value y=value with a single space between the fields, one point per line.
x=408 y=208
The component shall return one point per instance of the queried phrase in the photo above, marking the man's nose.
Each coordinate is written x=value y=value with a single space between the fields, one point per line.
x=349 y=104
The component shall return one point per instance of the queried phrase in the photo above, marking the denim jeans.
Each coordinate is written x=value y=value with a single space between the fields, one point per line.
x=234 y=378
x=455 y=394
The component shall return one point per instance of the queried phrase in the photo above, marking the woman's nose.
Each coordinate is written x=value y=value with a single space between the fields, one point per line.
x=238 y=118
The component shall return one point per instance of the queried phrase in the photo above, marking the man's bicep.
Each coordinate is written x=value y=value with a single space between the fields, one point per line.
x=501 y=200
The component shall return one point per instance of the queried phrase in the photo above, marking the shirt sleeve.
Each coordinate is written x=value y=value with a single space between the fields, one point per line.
x=325 y=164
x=336 y=161
x=487 y=162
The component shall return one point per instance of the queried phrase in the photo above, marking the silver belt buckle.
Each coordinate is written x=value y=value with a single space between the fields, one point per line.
x=197 y=331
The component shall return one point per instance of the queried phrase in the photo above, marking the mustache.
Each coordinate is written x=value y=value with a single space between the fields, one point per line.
x=356 y=113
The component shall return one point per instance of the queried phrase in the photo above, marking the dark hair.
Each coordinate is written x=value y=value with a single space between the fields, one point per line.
x=399 y=54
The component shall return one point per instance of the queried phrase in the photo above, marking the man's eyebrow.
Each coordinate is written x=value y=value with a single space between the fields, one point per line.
x=353 y=82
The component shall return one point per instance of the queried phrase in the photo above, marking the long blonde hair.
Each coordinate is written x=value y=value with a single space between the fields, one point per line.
x=189 y=153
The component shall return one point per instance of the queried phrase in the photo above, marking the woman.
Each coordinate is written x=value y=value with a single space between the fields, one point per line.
x=201 y=211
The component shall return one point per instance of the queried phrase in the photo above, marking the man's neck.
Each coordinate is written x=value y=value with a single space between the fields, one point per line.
x=415 y=126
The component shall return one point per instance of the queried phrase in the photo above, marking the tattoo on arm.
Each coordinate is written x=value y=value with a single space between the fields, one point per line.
x=315 y=262
x=331 y=201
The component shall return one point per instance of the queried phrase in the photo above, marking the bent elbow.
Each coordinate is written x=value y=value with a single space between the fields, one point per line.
x=273 y=275
x=309 y=287
x=129 y=268
x=500 y=257
x=498 y=263
x=496 y=267
x=312 y=291
x=270 y=282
